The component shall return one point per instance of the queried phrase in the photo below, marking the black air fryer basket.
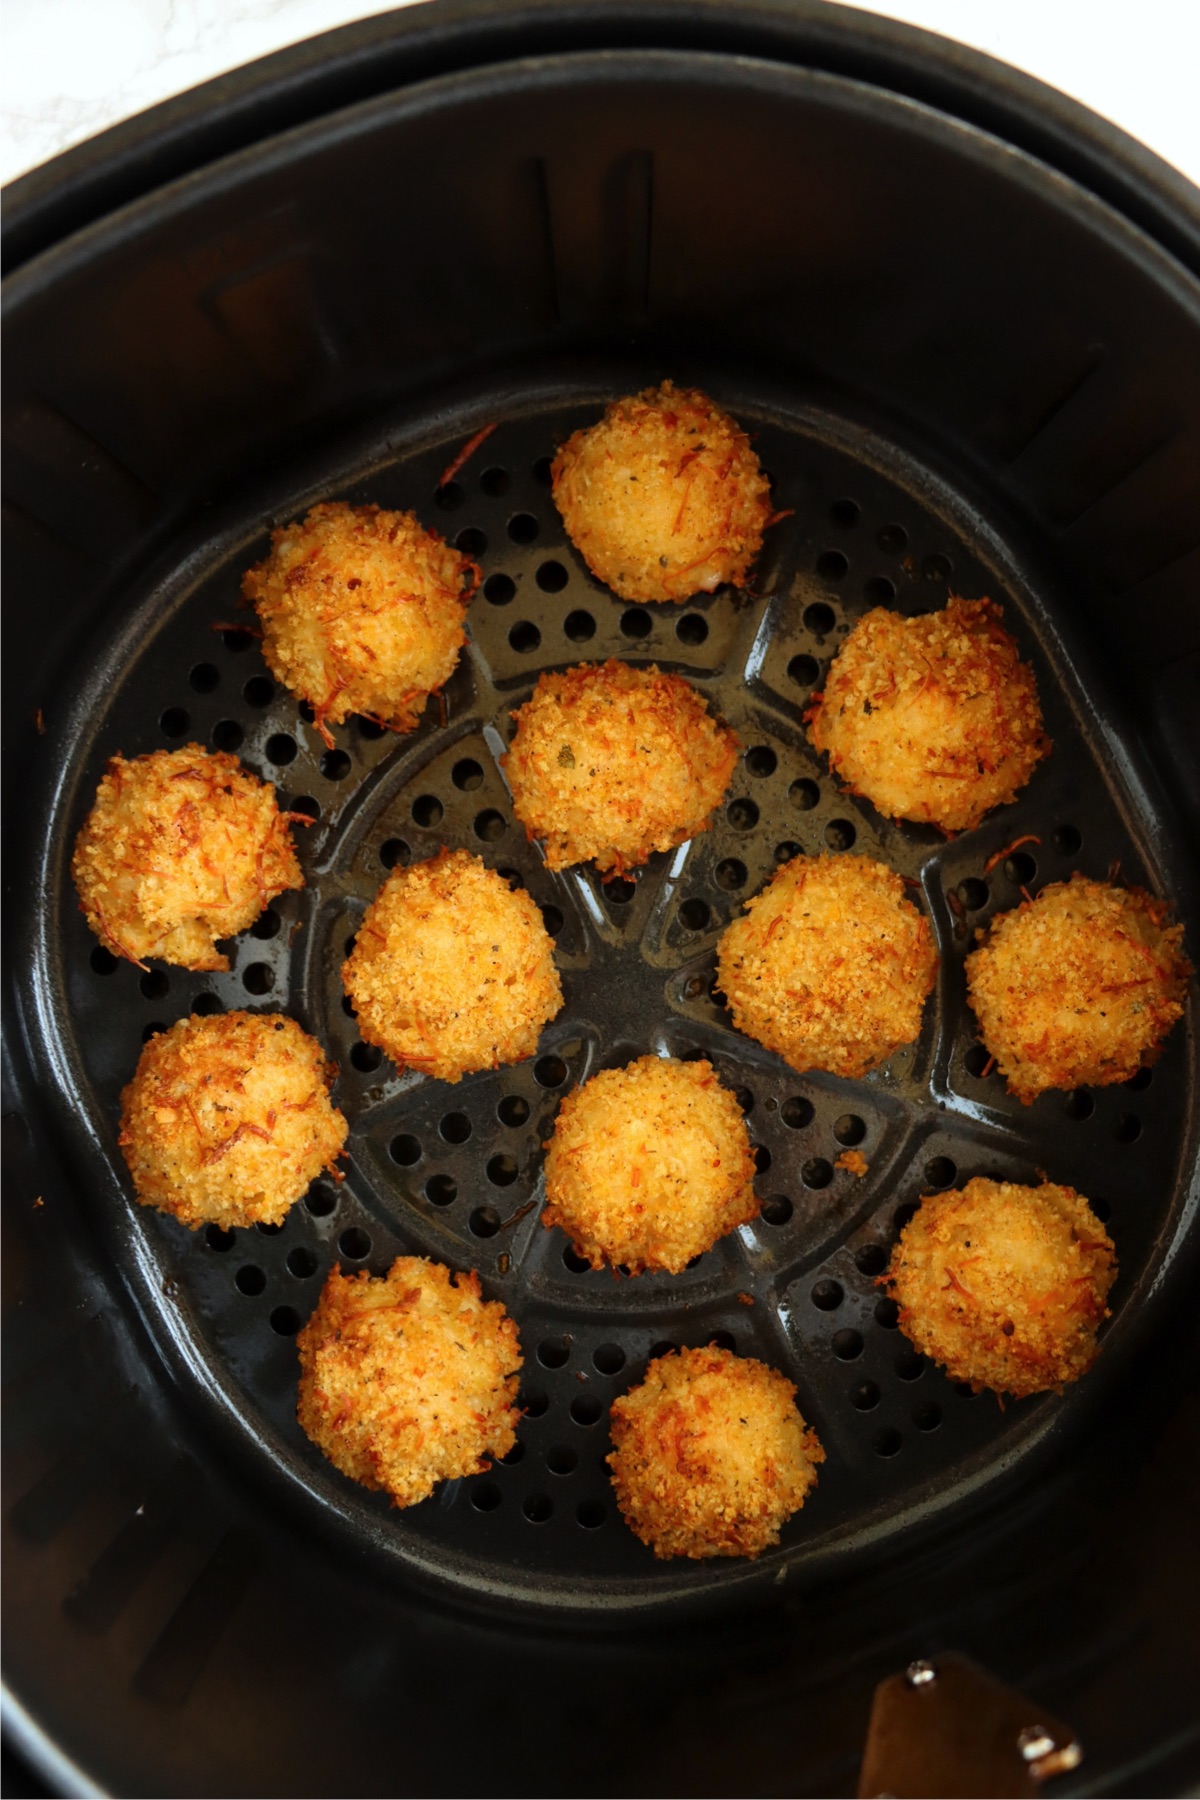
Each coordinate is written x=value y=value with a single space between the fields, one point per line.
x=961 y=318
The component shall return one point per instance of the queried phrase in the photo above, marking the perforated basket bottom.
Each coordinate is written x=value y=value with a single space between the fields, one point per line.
x=455 y=1172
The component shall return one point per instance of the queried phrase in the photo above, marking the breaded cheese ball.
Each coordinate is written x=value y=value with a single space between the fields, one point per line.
x=362 y=612
x=610 y=763
x=663 y=497
x=410 y=1378
x=711 y=1455
x=935 y=718
x=1004 y=1285
x=831 y=965
x=228 y=1119
x=649 y=1165
x=1080 y=985
x=181 y=847
x=451 y=971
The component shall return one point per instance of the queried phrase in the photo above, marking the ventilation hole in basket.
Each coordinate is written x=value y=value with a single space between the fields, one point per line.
x=1139 y=1082
x=977 y=1060
x=609 y=1359
x=237 y=639
x=206 y=1006
x=204 y=677
x=549 y=1071
x=762 y=1158
x=865 y=1396
x=892 y=539
x=1020 y=868
x=579 y=626
x=831 y=565
x=1067 y=840
x=395 y=854
x=467 y=774
x=785 y=852
x=871 y=1259
x=887 y=1442
x=484 y=1222
x=973 y=894
x=940 y=1172
x=927 y=1418
x=455 y=1128
x=369 y=728
x=301 y=1262
x=553 y=1353
x=903 y=1214
x=553 y=920
x=803 y=670
x=227 y=735
x=103 y=962
x=849 y=1129
x=551 y=577
x=281 y=749
x=578 y=1265
x=619 y=891
x=591 y=1514
x=525 y=637
x=335 y=765
x=267 y=925
x=1129 y=1129
x=485 y=1496
x=819 y=618
x=427 y=811
x=495 y=481
x=846 y=1344
x=776 y=1210
x=250 y=1279
x=586 y=1409
x=804 y=795
x=844 y=513
x=155 y=985
x=405 y=1150
x=635 y=622
x=513 y=1110
x=217 y=1238
x=1079 y=1105
x=743 y=815
x=533 y=1403
x=761 y=760
x=308 y=806
x=723 y=1340
x=259 y=978
x=879 y=591
x=909 y=1365
x=562 y=1460
x=523 y=528
x=664 y=1347
x=744 y=1098
x=348 y=1007
x=694 y=915
x=816 y=1172
x=498 y=590
x=827 y=1295
x=267 y=1229
x=355 y=1244
x=320 y=1202
x=937 y=568
x=366 y=1057
x=174 y=722
x=840 y=834
x=285 y=1320
x=730 y=874
x=797 y=1112
x=440 y=1190
x=965 y=1391
x=448 y=496
x=472 y=542
x=887 y=1314
x=490 y=826
x=1102 y=1210
x=513 y=878
x=537 y=1508
x=692 y=629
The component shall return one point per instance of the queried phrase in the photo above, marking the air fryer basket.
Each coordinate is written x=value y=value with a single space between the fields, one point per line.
x=967 y=371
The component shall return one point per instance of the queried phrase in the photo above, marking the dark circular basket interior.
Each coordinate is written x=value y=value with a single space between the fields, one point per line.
x=965 y=374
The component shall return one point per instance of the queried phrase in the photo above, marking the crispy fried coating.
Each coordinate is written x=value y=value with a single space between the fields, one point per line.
x=649 y=1165
x=410 y=1378
x=934 y=718
x=1004 y=1285
x=831 y=965
x=452 y=971
x=362 y=611
x=711 y=1455
x=610 y=763
x=1080 y=985
x=181 y=847
x=228 y=1119
x=663 y=497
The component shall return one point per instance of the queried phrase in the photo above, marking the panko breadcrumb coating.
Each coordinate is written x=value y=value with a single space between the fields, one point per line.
x=1004 y=1285
x=610 y=763
x=1080 y=985
x=181 y=847
x=831 y=966
x=228 y=1119
x=934 y=718
x=711 y=1455
x=410 y=1378
x=663 y=497
x=451 y=971
x=649 y=1165
x=362 y=612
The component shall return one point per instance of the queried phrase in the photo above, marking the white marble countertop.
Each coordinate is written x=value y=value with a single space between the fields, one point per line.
x=71 y=67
